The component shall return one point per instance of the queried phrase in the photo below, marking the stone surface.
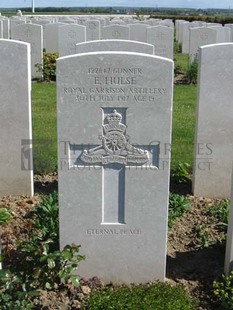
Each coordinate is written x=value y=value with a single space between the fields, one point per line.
x=68 y=36
x=115 y=45
x=162 y=38
x=114 y=120
x=116 y=32
x=32 y=34
x=93 y=30
x=14 y=22
x=214 y=122
x=50 y=40
x=16 y=176
x=198 y=37
x=137 y=32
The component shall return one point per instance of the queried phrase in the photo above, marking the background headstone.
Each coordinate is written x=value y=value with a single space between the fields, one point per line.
x=214 y=122
x=16 y=176
x=115 y=32
x=32 y=34
x=68 y=37
x=163 y=39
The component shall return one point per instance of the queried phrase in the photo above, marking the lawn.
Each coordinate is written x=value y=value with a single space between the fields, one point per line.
x=45 y=132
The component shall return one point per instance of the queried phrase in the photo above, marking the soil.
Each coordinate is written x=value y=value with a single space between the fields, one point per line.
x=187 y=263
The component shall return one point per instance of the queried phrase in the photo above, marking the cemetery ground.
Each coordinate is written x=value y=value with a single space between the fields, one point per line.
x=196 y=237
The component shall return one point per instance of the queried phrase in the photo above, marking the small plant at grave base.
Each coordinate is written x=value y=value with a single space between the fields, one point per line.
x=5 y=216
x=177 y=68
x=203 y=238
x=180 y=174
x=159 y=296
x=178 y=204
x=223 y=290
x=220 y=211
x=37 y=263
x=192 y=72
x=177 y=47
x=48 y=68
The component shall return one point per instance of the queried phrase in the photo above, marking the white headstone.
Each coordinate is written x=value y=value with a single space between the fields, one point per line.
x=14 y=22
x=185 y=37
x=32 y=34
x=137 y=32
x=51 y=37
x=1 y=29
x=115 y=45
x=198 y=37
x=116 y=32
x=93 y=30
x=214 y=123
x=68 y=37
x=231 y=29
x=163 y=39
x=15 y=119
x=113 y=196
x=6 y=28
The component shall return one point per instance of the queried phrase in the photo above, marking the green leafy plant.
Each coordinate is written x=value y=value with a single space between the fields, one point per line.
x=220 y=211
x=181 y=174
x=177 y=47
x=192 y=72
x=48 y=68
x=37 y=263
x=203 y=238
x=178 y=204
x=5 y=216
x=45 y=216
x=159 y=296
x=223 y=290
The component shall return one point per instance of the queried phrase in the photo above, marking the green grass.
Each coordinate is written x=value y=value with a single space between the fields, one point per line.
x=45 y=133
x=44 y=127
x=158 y=296
x=181 y=62
x=183 y=124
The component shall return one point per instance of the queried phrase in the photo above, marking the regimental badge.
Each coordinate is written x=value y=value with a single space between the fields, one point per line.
x=115 y=147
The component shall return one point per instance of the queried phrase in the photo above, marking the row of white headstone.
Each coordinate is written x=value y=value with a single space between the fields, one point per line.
x=62 y=38
x=113 y=193
x=194 y=34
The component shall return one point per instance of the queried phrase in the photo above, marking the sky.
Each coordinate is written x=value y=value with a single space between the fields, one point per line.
x=132 y=3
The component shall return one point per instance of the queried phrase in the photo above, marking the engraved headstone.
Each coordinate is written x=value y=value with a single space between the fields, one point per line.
x=16 y=177
x=137 y=32
x=50 y=35
x=114 y=118
x=115 y=45
x=93 y=30
x=116 y=32
x=32 y=34
x=162 y=38
x=14 y=22
x=68 y=37
x=214 y=139
x=200 y=36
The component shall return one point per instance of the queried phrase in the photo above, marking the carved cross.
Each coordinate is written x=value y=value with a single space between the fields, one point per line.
x=116 y=34
x=114 y=155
